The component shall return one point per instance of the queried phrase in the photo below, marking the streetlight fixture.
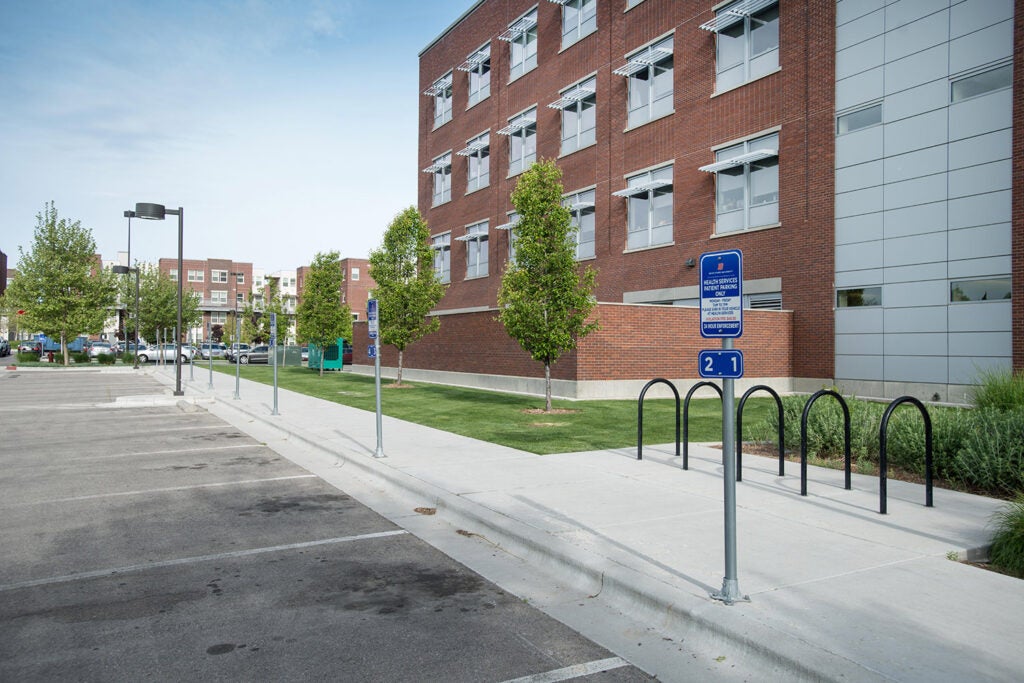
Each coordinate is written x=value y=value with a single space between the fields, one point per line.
x=157 y=212
x=124 y=270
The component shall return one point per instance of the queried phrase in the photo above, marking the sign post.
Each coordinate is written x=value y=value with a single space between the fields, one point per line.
x=372 y=331
x=209 y=340
x=273 y=350
x=721 y=315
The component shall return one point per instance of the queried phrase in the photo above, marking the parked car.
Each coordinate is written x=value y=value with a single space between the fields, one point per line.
x=346 y=354
x=215 y=349
x=230 y=353
x=99 y=348
x=5 y=347
x=304 y=351
x=30 y=347
x=165 y=352
x=257 y=354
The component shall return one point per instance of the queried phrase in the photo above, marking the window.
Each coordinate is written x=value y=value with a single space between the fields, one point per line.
x=174 y=274
x=513 y=221
x=521 y=37
x=219 y=297
x=218 y=317
x=442 y=172
x=478 y=66
x=239 y=278
x=355 y=274
x=476 y=250
x=650 y=208
x=441 y=91
x=579 y=19
x=650 y=82
x=981 y=83
x=747 y=41
x=859 y=296
x=579 y=115
x=632 y=3
x=239 y=298
x=478 y=162
x=522 y=139
x=581 y=205
x=861 y=118
x=196 y=276
x=747 y=184
x=442 y=246
x=218 y=276
x=996 y=289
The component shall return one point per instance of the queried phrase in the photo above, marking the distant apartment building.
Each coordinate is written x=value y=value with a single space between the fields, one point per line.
x=865 y=156
x=223 y=287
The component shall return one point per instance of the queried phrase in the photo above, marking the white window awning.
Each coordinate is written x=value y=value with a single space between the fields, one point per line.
x=740 y=160
x=571 y=97
x=642 y=61
x=519 y=27
x=560 y=2
x=729 y=16
x=508 y=226
x=439 y=87
x=517 y=125
x=475 y=59
x=439 y=166
x=474 y=235
x=475 y=146
x=641 y=188
x=580 y=206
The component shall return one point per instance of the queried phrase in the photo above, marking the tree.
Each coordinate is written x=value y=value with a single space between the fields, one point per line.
x=321 y=317
x=61 y=285
x=545 y=301
x=407 y=288
x=158 y=303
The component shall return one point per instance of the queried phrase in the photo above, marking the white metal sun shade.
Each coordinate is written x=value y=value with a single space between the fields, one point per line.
x=729 y=16
x=442 y=164
x=519 y=27
x=572 y=96
x=642 y=60
x=747 y=158
x=642 y=187
x=475 y=146
x=517 y=125
x=439 y=86
x=475 y=59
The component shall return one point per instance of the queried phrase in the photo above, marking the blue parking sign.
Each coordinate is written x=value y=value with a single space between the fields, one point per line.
x=721 y=293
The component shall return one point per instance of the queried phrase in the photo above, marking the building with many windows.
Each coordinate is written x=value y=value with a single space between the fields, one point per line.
x=223 y=287
x=858 y=152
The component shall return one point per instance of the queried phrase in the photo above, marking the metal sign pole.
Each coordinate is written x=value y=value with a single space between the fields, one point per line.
x=238 y=352
x=209 y=340
x=730 y=584
x=273 y=349
x=373 y=331
x=192 y=358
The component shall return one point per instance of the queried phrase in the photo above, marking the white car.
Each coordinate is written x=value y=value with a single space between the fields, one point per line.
x=99 y=348
x=165 y=352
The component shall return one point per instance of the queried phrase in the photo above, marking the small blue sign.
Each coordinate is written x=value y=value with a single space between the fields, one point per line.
x=721 y=363
x=721 y=293
x=371 y=351
x=371 y=318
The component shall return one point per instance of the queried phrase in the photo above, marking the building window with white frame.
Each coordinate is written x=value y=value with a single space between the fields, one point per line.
x=579 y=20
x=649 y=71
x=747 y=184
x=196 y=276
x=581 y=205
x=173 y=273
x=239 y=278
x=441 y=170
x=863 y=117
x=521 y=37
x=218 y=276
x=510 y=226
x=442 y=246
x=578 y=105
x=478 y=67
x=522 y=141
x=218 y=317
x=239 y=299
x=355 y=275
x=747 y=41
x=441 y=92
x=476 y=250
x=219 y=297
x=478 y=162
x=649 y=195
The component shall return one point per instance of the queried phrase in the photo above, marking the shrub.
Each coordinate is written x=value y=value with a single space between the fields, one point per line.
x=999 y=389
x=106 y=359
x=1008 y=543
x=991 y=456
x=80 y=357
x=27 y=357
x=128 y=358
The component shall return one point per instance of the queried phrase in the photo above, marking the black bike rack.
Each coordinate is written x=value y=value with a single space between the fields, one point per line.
x=640 y=416
x=803 y=436
x=739 y=431
x=686 y=420
x=883 y=463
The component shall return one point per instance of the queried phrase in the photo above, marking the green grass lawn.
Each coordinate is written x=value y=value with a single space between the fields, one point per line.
x=509 y=419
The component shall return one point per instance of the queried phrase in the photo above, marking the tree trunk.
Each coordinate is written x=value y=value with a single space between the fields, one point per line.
x=64 y=350
x=547 y=386
x=398 y=380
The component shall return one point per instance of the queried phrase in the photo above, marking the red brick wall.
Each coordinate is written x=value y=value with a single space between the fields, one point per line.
x=634 y=342
x=799 y=99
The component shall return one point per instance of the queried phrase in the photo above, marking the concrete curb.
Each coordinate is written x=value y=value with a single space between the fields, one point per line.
x=650 y=595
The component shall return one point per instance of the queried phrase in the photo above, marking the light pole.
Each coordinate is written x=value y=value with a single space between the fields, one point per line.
x=129 y=214
x=157 y=212
x=124 y=270
x=238 y=353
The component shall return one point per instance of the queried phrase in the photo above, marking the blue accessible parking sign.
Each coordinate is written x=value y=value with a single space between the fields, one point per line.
x=724 y=363
x=721 y=294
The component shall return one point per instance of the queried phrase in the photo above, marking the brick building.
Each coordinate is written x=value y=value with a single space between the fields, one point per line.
x=858 y=152
x=223 y=287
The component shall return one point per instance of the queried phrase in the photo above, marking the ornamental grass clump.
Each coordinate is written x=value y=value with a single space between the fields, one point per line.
x=1008 y=544
x=1001 y=390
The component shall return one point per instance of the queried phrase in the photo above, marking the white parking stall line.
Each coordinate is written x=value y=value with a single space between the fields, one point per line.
x=170 y=489
x=574 y=671
x=171 y=451
x=116 y=571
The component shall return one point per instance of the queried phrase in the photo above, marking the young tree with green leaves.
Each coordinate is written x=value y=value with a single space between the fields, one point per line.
x=407 y=288
x=321 y=317
x=158 y=303
x=545 y=301
x=61 y=284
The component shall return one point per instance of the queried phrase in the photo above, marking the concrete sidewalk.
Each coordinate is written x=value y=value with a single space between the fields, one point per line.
x=837 y=591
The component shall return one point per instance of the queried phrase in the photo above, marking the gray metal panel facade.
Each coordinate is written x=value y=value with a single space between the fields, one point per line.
x=923 y=197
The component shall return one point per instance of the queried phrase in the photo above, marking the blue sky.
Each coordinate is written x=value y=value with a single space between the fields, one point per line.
x=283 y=128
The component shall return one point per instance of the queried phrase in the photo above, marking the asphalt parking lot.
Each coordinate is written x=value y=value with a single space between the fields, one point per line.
x=145 y=539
